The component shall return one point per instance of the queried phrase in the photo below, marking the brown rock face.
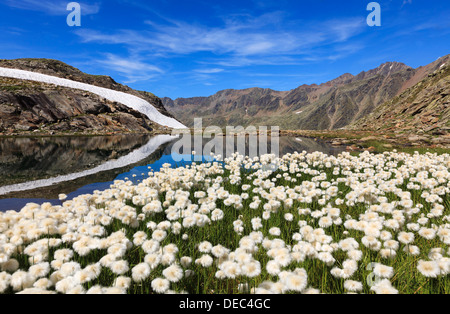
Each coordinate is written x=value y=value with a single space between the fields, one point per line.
x=33 y=106
x=422 y=109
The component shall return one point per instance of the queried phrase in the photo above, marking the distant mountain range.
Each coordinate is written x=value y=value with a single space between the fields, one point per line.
x=392 y=97
x=333 y=105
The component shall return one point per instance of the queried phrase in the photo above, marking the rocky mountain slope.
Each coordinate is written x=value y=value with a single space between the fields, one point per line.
x=40 y=107
x=332 y=105
x=423 y=108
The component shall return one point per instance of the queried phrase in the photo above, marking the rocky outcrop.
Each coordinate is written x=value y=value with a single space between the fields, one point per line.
x=30 y=106
x=422 y=110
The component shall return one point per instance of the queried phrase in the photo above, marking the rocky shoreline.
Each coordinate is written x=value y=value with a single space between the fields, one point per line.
x=363 y=140
x=352 y=140
x=85 y=133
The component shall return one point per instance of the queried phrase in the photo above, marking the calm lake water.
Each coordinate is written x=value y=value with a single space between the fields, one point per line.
x=37 y=170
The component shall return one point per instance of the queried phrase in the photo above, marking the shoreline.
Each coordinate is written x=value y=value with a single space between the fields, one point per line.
x=80 y=134
x=354 y=140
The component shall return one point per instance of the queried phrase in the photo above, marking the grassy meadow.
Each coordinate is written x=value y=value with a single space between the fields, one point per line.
x=372 y=223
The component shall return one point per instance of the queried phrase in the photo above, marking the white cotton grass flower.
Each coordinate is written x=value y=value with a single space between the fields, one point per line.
x=231 y=269
x=427 y=233
x=117 y=250
x=139 y=238
x=282 y=257
x=444 y=266
x=256 y=223
x=205 y=247
x=242 y=257
x=353 y=286
x=391 y=244
x=273 y=268
x=186 y=261
x=204 y=261
x=251 y=269
x=160 y=285
x=295 y=282
x=153 y=260
x=66 y=284
x=43 y=283
x=383 y=271
x=275 y=231
x=326 y=257
x=159 y=235
x=219 y=251
x=95 y=290
x=170 y=249
x=371 y=242
x=140 y=272
x=119 y=267
x=429 y=269
x=173 y=273
x=39 y=270
x=412 y=250
x=70 y=268
x=247 y=243
x=348 y=244
x=77 y=290
x=21 y=280
x=5 y=279
x=63 y=255
x=384 y=287
x=325 y=222
x=406 y=237
x=122 y=282
x=388 y=253
x=435 y=254
x=288 y=217
x=167 y=259
x=150 y=246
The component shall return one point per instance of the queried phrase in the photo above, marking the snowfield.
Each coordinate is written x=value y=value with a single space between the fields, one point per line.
x=128 y=100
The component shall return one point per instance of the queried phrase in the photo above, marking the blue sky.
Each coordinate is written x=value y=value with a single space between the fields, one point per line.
x=197 y=47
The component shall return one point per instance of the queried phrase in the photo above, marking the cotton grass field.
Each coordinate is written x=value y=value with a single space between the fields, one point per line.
x=373 y=223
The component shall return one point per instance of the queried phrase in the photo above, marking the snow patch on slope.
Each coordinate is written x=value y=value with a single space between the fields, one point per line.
x=128 y=100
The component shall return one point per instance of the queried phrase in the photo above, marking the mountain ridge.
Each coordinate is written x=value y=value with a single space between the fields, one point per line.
x=330 y=105
x=423 y=107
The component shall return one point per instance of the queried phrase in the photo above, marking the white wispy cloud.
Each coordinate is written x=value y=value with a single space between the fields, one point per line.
x=249 y=37
x=52 y=7
x=240 y=41
x=131 y=68
x=209 y=71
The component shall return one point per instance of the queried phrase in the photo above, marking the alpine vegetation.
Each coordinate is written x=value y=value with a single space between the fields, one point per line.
x=373 y=223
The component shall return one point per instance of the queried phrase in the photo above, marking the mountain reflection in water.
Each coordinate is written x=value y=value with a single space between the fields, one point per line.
x=39 y=169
